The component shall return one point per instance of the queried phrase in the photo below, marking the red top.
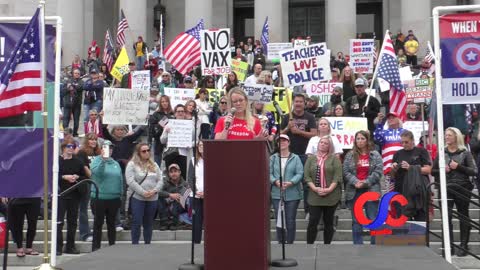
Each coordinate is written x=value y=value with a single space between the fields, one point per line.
x=238 y=129
x=363 y=166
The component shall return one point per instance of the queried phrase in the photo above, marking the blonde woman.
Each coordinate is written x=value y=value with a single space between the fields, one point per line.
x=265 y=77
x=144 y=180
x=241 y=125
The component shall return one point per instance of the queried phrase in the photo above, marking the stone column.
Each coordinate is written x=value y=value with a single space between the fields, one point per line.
x=196 y=10
x=136 y=14
x=277 y=12
x=174 y=19
x=223 y=10
x=417 y=16
x=73 y=41
x=340 y=24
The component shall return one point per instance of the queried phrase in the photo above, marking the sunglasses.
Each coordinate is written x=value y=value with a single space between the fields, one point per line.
x=146 y=151
x=223 y=102
x=72 y=146
x=93 y=114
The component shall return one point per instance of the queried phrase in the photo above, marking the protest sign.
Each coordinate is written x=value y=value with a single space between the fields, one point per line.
x=141 y=80
x=405 y=73
x=215 y=51
x=416 y=127
x=274 y=49
x=240 y=68
x=419 y=90
x=305 y=65
x=259 y=92
x=300 y=43
x=125 y=106
x=280 y=95
x=180 y=134
x=344 y=129
x=361 y=55
x=179 y=95
x=214 y=95
x=322 y=90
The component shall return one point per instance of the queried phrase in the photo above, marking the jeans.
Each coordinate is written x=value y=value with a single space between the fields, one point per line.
x=290 y=216
x=97 y=105
x=83 y=225
x=139 y=62
x=104 y=209
x=371 y=209
x=169 y=210
x=143 y=213
x=70 y=208
x=328 y=213
x=75 y=110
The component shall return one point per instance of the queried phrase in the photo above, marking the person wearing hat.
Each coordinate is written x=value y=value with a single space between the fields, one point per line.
x=356 y=105
x=93 y=97
x=292 y=175
x=335 y=99
x=126 y=81
x=389 y=140
x=313 y=106
x=165 y=81
x=151 y=65
x=169 y=198
x=108 y=175
x=188 y=82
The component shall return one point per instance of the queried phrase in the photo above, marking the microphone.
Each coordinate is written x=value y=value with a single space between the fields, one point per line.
x=232 y=112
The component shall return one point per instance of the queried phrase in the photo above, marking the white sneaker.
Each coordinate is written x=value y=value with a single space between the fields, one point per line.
x=119 y=228
x=307 y=216
x=89 y=239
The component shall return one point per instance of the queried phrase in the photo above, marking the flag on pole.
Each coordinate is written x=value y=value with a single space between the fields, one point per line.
x=108 y=50
x=122 y=26
x=265 y=37
x=429 y=57
x=388 y=71
x=21 y=78
x=184 y=51
x=121 y=65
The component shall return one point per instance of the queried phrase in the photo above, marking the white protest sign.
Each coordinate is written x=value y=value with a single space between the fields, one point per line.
x=344 y=129
x=300 y=43
x=416 y=128
x=405 y=73
x=259 y=92
x=179 y=95
x=322 y=90
x=125 y=106
x=180 y=134
x=141 y=80
x=305 y=65
x=274 y=49
x=361 y=55
x=384 y=85
x=215 y=55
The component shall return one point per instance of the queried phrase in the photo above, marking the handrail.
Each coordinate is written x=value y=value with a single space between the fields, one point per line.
x=72 y=188
x=454 y=213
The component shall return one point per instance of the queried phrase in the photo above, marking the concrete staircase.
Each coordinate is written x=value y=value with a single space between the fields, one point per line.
x=343 y=236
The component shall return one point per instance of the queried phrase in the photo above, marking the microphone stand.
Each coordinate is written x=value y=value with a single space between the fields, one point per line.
x=283 y=262
x=192 y=265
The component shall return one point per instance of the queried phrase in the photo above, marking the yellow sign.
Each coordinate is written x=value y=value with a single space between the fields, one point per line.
x=121 y=65
x=240 y=68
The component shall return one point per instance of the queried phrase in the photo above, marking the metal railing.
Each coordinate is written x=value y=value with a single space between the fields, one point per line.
x=464 y=194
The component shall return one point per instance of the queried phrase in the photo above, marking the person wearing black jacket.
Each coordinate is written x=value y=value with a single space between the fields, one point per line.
x=459 y=167
x=71 y=95
x=157 y=122
x=355 y=106
x=93 y=94
x=71 y=171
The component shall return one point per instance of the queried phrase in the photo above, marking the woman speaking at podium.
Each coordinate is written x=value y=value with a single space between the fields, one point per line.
x=239 y=123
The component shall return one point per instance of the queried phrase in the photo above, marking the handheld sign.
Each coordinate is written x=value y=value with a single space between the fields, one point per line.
x=344 y=129
x=125 y=106
x=361 y=55
x=215 y=54
x=180 y=134
x=417 y=91
x=259 y=92
x=305 y=65
x=240 y=68
x=179 y=95
x=141 y=80
x=275 y=48
x=322 y=90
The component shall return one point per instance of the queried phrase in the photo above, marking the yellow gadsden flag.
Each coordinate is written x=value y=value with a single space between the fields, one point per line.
x=121 y=65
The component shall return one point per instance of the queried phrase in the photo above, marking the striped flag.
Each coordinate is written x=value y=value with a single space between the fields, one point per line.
x=388 y=71
x=108 y=50
x=184 y=51
x=122 y=26
x=429 y=57
x=265 y=37
x=21 y=78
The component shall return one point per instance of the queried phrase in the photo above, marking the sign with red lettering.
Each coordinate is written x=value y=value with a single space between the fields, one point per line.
x=215 y=54
x=361 y=55
x=344 y=129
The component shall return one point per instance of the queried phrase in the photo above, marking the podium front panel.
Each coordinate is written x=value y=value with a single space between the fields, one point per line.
x=237 y=205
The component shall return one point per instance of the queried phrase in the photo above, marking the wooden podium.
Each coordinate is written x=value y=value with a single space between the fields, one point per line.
x=237 y=205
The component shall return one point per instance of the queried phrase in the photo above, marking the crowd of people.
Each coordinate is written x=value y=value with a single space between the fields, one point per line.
x=140 y=179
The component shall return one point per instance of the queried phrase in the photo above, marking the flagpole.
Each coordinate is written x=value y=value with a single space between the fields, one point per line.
x=46 y=260
x=375 y=74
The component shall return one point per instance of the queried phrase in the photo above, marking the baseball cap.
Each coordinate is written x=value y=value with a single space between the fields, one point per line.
x=314 y=98
x=188 y=79
x=359 y=81
x=174 y=165
x=284 y=136
x=392 y=114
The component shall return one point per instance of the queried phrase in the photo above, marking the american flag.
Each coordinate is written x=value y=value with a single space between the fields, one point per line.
x=265 y=37
x=388 y=71
x=21 y=78
x=122 y=26
x=184 y=51
x=108 y=50
x=429 y=57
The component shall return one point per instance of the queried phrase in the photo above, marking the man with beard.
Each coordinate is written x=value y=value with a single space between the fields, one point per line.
x=356 y=106
x=335 y=99
x=313 y=108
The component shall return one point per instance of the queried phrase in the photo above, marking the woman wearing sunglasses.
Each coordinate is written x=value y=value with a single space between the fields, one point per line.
x=144 y=180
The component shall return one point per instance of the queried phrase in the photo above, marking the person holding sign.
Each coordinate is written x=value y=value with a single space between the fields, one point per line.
x=157 y=122
x=204 y=109
x=356 y=105
x=239 y=124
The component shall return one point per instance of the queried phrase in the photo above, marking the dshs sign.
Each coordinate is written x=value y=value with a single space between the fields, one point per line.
x=216 y=57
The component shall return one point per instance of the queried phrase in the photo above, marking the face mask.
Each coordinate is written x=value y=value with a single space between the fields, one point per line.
x=335 y=99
